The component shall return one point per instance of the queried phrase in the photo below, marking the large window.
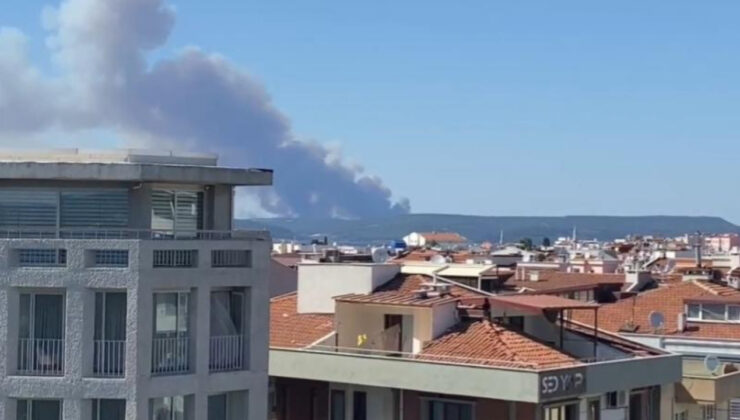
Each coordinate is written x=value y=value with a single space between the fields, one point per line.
x=171 y=343
x=168 y=408
x=359 y=405
x=447 y=410
x=41 y=334
x=39 y=410
x=102 y=208
x=177 y=211
x=43 y=257
x=717 y=312
x=110 y=334
x=109 y=410
x=561 y=412
x=48 y=209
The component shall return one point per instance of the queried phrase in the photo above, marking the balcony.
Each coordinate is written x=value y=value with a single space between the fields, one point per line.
x=171 y=356
x=41 y=356
x=124 y=233
x=109 y=359
x=227 y=353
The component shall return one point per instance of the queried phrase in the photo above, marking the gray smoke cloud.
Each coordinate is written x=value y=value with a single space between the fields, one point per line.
x=193 y=101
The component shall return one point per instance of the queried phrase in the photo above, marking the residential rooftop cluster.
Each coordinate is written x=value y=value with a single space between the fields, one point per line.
x=436 y=327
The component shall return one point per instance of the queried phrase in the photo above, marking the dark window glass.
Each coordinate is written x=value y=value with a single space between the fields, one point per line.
x=337 y=405
x=359 y=406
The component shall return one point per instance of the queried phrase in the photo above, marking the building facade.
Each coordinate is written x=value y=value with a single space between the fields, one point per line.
x=368 y=341
x=125 y=293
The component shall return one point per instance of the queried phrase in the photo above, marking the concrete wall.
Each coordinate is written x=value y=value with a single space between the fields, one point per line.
x=318 y=284
x=78 y=282
x=354 y=319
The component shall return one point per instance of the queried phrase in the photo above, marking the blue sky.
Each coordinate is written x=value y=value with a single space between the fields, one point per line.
x=496 y=108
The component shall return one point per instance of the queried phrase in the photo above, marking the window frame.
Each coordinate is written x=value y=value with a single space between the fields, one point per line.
x=426 y=401
x=701 y=312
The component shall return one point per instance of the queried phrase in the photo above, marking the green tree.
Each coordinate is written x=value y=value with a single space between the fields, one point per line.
x=546 y=242
x=526 y=244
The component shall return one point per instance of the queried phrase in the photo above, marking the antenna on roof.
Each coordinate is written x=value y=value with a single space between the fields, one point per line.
x=657 y=320
x=712 y=364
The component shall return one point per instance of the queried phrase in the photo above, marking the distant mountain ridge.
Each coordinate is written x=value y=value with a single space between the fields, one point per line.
x=486 y=228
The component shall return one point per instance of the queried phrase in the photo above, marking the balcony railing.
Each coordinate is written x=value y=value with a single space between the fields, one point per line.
x=142 y=234
x=227 y=353
x=171 y=356
x=109 y=359
x=41 y=356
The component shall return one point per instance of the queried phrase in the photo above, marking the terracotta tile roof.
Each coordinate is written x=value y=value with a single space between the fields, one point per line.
x=487 y=343
x=668 y=299
x=557 y=281
x=290 y=329
x=402 y=291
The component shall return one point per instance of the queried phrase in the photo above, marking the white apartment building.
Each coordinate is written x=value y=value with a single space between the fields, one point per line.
x=124 y=291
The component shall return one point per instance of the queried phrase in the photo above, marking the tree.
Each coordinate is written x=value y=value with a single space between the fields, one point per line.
x=546 y=242
x=526 y=244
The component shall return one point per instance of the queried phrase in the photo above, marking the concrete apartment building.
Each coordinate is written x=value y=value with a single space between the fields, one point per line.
x=368 y=341
x=125 y=292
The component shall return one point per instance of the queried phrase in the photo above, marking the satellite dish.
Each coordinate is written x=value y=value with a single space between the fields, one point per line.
x=380 y=255
x=657 y=320
x=438 y=259
x=712 y=363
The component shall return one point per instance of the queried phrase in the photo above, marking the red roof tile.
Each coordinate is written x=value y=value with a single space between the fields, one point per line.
x=486 y=343
x=441 y=237
x=556 y=281
x=290 y=329
x=669 y=300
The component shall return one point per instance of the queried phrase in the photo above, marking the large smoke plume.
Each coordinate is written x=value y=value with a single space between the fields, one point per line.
x=193 y=101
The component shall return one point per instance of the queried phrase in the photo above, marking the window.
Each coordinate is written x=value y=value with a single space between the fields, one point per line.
x=168 y=408
x=231 y=258
x=42 y=257
x=175 y=258
x=337 y=405
x=109 y=410
x=41 y=334
x=708 y=412
x=562 y=412
x=712 y=312
x=110 y=258
x=103 y=208
x=28 y=208
x=693 y=311
x=359 y=406
x=733 y=313
x=177 y=211
x=447 y=410
x=66 y=208
x=171 y=313
x=109 y=345
x=218 y=407
x=39 y=410
x=615 y=399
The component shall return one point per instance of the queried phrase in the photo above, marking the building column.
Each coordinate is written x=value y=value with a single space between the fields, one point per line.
x=74 y=339
x=73 y=410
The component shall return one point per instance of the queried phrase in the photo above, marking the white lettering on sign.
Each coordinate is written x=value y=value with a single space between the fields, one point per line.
x=562 y=383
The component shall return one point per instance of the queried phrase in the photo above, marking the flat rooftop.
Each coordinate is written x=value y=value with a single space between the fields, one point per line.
x=125 y=165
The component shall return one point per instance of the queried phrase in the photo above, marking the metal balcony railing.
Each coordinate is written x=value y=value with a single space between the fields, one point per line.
x=227 y=353
x=124 y=233
x=41 y=356
x=109 y=358
x=170 y=356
